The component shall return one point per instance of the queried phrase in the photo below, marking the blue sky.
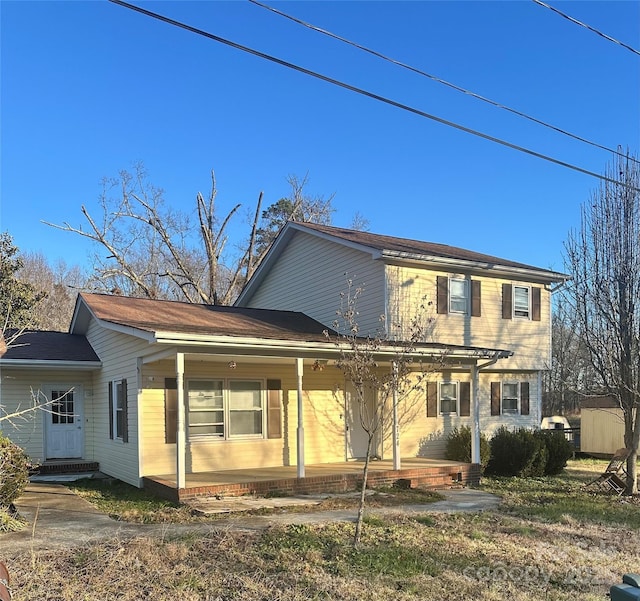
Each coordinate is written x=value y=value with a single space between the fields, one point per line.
x=90 y=88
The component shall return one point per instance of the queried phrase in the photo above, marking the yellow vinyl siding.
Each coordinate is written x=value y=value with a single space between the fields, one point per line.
x=323 y=423
x=530 y=340
x=119 y=353
x=19 y=387
x=310 y=276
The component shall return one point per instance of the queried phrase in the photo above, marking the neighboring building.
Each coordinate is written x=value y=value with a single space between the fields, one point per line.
x=166 y=389
x=601 y=426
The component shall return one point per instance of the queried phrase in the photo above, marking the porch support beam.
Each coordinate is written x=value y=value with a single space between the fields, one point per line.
x=475 y=414
x=300 y=430
x=395 y=426
x=180 y=428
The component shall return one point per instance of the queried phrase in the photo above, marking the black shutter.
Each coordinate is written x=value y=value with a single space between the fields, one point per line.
x=125 y=412
x=495 y=398
x=111 y=410
x=170 y=410
x=274 y=409
x=507 y=301
x=432 y=399
x=535 y=304
x=442 y=296
x=524 y=398
x=465 y=399
x=476 y=298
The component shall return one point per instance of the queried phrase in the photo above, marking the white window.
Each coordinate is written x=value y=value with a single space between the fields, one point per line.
x=458 y=295
x=225 y=410
x=510 y=397
x=521 y=301
x=118 y=403
x=448 y=398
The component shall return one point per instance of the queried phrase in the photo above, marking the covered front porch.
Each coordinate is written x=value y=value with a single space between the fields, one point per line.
x=318 y=478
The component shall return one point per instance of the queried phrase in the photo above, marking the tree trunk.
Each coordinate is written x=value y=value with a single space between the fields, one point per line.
x=365 y=474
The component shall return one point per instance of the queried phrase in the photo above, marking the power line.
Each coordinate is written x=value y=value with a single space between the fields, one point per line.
x=366 y=93
x=593 y=29
x=434 y=78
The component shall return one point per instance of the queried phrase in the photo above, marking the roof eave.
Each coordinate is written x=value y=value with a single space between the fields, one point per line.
x=536 y=274
x=50 y=364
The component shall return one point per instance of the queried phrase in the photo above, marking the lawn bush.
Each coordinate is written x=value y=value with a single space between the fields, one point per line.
x=559 y=450
x=459 y=446
x=14 y=471
x=516 y=453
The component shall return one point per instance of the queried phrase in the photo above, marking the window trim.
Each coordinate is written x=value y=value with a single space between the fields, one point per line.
x=227 y=411
x=516 y=411
x=118 y=385
x=467 y=299
x=457 y=398
x=529 y=307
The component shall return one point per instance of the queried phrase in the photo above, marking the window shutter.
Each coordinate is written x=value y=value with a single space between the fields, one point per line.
x=111 y=410
x=495 y=398
x=524 y=398
x=125 y=412
x=170 y=410
x=465 y=399
x=535 y=304
x=432 y=399
x=475 y=298
x=442 y=297
x=274 y=409
x=507 y=301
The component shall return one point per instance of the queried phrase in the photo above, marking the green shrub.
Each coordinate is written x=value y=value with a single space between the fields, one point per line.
x=516 y=453
x=14 y=471
x=459 y=446
x=559 y=450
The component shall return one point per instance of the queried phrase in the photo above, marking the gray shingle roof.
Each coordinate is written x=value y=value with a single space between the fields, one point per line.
x=49 y=346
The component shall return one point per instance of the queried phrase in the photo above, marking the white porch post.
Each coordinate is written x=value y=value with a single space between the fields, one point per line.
x=180 y=428
x=395 y=427
x=475 y=414
x=300 y=430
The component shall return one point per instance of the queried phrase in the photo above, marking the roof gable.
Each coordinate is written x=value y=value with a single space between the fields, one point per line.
x=400 y=250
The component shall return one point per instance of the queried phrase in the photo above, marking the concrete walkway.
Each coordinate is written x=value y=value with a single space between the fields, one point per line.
x=59 y=518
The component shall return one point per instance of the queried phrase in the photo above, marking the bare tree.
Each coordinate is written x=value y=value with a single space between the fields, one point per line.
x=146 y=248
x=604 y=262
x=58 y=283
x=384 y=370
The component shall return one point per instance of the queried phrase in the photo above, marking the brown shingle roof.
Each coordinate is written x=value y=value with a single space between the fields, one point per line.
x=50 y=346
x=414 y=247
x=185 y=318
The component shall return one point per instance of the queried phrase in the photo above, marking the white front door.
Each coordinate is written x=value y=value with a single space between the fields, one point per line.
x=64 y=419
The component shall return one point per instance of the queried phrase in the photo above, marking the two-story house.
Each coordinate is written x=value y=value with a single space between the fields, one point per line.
x=168 y=394
x=475 y=301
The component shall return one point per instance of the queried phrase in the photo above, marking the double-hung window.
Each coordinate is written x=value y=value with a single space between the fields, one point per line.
x=225 y=409
x=510 y=397
x=521 y=301
x=448 y=398
x=118 y=410
x=458 y=295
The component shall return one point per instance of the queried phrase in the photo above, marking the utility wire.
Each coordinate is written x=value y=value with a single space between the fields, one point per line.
x=593 y=29
x=435 y=78
x=366 y=93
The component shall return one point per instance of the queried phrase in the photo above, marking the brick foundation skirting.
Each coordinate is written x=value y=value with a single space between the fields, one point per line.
x=432 y=477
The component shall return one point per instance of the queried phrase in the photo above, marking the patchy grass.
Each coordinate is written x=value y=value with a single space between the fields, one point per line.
x=127 y=503
x=550 y=540
x=563 y=498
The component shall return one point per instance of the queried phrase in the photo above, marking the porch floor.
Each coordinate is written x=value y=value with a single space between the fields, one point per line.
x=319 y=478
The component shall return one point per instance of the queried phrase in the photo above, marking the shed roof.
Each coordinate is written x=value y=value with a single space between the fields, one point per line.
x=37 y=345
